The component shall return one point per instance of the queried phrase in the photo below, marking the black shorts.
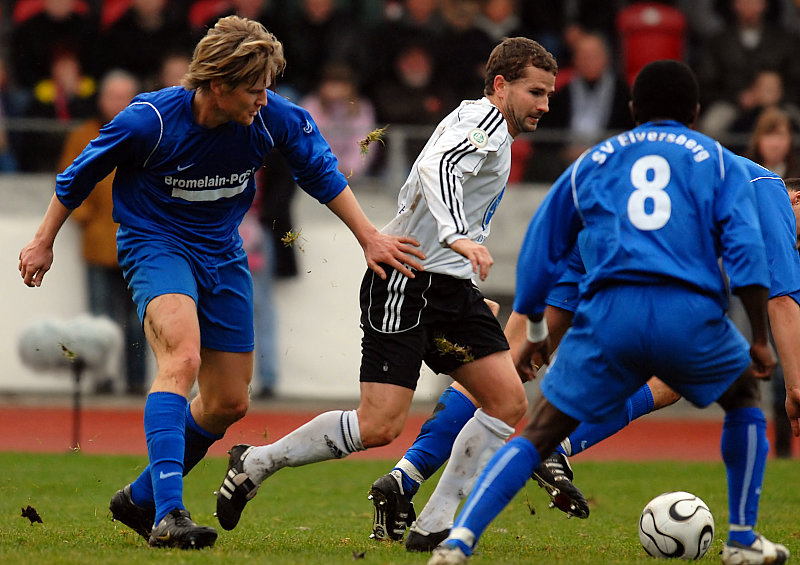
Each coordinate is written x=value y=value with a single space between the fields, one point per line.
x=435 y=318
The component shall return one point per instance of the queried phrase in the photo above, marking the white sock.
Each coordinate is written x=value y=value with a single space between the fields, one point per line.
x=480 y=438
x=410 y=470
x=331 y=435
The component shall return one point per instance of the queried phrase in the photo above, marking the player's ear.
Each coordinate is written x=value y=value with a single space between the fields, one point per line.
x=499 y=83
x=216 y=87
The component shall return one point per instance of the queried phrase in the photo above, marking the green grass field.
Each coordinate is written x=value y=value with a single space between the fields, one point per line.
x=320 y=515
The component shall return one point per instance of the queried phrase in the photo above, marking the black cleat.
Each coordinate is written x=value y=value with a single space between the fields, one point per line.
x=393 y=511
x=177 y=529
x=237 y=488
x=420 y=540
x=554 y=475
x=125 y=510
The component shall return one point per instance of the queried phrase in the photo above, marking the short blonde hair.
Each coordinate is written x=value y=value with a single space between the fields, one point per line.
x=235 y=51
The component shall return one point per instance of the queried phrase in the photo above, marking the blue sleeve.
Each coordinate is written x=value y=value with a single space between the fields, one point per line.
x=297 y=137
x=744 y=257
x=547 y=246
x=779 y=229
x=565 y=293
x=128 y=139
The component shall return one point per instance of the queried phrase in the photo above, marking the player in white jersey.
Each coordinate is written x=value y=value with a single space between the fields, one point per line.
x=439 y=316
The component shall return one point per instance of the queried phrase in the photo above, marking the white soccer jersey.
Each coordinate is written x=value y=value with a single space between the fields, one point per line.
x=455 y=185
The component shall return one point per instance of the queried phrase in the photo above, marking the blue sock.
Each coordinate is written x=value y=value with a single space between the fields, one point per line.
x=435 y=440
x=502 y=478
x=744 y=447
x=589 y=434
x=198 y=441
x=164 y=429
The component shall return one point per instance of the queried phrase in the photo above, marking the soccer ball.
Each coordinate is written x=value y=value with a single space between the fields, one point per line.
x=676 y=524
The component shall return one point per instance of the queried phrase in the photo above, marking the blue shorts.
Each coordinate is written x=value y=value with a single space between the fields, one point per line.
x=221 y=286
x=622 y=336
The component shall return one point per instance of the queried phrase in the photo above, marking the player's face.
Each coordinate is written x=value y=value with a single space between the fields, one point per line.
x=526 y=99
x=242 y=103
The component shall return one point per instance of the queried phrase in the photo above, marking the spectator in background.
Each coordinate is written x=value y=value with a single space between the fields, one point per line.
x=499 y=19
x=773 y=146
x=59 y=27
x=766 y=91
x=463 y=49
x=343 y=117
x=410 y=22
x=174 y=67
x=320 y=35
x=594 y=101
x=10 y=106
x=412 y=96
x=67 y=94
x=107 y=291
x=138 y=40
x=730 y=61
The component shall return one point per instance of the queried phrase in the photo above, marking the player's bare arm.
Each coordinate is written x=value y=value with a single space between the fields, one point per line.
x=784 y=319
x=478 y=256
x=36 y=257
x=396 y=251
x=754 y=299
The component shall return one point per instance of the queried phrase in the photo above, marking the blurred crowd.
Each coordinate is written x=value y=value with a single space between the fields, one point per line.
x=360 y=64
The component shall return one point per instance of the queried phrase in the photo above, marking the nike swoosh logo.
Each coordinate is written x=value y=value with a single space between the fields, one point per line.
x=185 y=167
x=164 y=475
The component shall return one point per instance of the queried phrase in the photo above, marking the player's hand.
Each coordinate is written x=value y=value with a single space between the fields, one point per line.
x=530 y=359
x=396 y=251
x=477 y=254
x=763 y=360
x=793 y=408
x=35 y=260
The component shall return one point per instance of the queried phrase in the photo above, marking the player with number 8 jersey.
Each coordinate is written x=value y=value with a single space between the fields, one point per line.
x=652 y=212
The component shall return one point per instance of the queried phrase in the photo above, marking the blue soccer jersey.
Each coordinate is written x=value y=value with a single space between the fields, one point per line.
x=779 y=230
x=192 y=184
x=658 y=204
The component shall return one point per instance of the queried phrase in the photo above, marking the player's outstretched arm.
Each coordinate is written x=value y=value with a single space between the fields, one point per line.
x=784 y=319
x=36 y=257
x=396 y=251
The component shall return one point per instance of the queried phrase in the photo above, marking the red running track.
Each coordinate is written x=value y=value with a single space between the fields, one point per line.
x=120 y=431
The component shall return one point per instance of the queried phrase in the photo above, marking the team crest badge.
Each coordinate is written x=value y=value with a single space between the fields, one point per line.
x=478 y=137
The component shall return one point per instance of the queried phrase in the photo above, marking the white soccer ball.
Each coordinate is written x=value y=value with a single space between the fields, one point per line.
x=676 y=524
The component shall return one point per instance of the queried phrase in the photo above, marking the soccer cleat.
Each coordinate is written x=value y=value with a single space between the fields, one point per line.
x=447 y=554
x=554 y=475
x=125 y=510
x=420 y=540
x=761 y=551
x=393 y=511
x=177 y=529
x=237 y=488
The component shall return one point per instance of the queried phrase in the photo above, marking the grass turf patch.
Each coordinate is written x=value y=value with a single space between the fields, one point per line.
x=319 y=514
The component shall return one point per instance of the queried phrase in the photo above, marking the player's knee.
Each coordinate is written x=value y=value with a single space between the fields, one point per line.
x=509 y=411
x=182 y=364
x=226 y=412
